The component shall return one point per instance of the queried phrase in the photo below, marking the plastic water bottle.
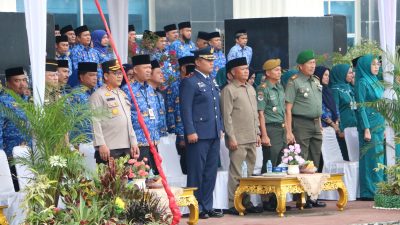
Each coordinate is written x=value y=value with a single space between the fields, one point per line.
x=244 y=169
x=269 y=166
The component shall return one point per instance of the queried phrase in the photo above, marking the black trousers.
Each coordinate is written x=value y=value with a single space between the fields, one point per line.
x=145 y=152
x=13 y=171
x=115 y=153
x=182 y=154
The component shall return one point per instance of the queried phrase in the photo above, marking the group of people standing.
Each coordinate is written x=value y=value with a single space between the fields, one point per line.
x=191 y=90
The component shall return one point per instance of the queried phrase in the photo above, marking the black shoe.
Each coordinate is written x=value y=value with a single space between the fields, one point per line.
x=232 y=211
x=308 y=205
x=203 y=215
x=215 y=214
x=316 y=204
x=254 y=209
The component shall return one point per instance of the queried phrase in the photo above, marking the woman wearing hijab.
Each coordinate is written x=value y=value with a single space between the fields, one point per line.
x=370 y=124
x=286 y=76
x=100 y=44
x=329 y=117
x=343 y=93
x=252 y=77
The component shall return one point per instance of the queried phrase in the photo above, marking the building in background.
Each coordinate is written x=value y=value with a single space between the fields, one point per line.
x=209 y=15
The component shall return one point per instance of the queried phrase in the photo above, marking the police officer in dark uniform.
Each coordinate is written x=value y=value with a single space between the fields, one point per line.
x=201 y=116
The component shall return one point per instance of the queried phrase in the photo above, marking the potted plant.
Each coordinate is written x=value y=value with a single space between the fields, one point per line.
x=138 y=171
x=388 y=192
x=291 y=157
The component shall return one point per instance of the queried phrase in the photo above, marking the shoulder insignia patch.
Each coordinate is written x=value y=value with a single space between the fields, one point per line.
x=294 y=77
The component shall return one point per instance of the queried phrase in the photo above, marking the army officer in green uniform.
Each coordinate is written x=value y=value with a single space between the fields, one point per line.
x=271 y=113
x=303 y=111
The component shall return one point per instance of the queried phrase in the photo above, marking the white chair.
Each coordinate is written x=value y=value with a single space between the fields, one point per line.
x=352 y=143
x=5 y=175
x=334 y=163
x=23 y=173
x=88 y=151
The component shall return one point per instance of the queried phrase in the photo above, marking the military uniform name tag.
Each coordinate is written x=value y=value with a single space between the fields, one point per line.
x=151 y=114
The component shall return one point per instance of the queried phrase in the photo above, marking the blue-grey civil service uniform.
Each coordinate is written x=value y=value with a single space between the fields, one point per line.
x=200 y=111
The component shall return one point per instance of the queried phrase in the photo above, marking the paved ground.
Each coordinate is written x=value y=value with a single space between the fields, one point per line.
x=356 y=212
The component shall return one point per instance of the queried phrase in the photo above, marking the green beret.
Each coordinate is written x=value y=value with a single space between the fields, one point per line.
x=305 y=56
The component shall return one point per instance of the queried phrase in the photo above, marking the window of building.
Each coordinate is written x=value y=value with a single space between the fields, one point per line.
x=347 y=8
x=68 y=12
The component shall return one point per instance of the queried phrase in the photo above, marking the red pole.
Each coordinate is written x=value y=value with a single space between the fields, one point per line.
x=172 y=203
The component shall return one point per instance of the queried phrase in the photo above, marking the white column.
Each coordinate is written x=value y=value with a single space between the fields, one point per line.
x=35 y=18
x=118 y=15
x=274 y=8
x=387 y=36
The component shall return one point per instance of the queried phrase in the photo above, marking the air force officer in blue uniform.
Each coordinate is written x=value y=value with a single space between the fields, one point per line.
x=202 y=123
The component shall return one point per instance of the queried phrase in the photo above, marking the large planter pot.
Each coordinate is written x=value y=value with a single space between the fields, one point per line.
x=387 y=201
x=141 y=182
x=293 y=169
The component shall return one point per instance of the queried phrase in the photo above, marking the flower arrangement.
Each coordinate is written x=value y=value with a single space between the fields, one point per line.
x=138 y=169
x=291 y=155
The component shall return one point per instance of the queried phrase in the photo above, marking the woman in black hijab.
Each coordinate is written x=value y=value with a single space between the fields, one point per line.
x=329 y=117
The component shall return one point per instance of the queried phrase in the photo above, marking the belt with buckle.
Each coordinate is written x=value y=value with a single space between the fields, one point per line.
x=306 y=118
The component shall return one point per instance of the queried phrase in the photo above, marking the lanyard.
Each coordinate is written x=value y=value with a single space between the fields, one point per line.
x=145 y=97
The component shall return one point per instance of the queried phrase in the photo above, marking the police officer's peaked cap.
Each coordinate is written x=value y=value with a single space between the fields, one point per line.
x=112 y=65
x=140 y=60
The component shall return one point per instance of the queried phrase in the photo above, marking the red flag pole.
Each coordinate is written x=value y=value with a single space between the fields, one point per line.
x=172 y=203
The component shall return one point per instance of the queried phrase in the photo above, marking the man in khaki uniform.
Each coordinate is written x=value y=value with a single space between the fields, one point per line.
x=113 y=134
x=271 y=112
x=304 y=109
x=239 y=111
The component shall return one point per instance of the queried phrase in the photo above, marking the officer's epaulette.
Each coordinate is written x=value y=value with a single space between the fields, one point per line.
x=316 y=77
x=294 y=77
x=264 y=85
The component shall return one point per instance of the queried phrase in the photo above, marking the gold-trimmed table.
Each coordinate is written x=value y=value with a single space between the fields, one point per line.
x=283 y=185
x=188 y=199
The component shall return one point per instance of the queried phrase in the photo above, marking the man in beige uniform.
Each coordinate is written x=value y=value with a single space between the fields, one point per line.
x=113 y=134
x=242 y=133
